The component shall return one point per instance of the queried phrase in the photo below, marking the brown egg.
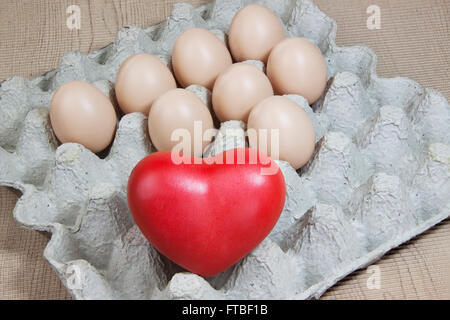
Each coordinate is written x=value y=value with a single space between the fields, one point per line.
x=198 y=57
x=254 y=31
x=81 y=113
x=179 y=109
x=140 y=80
x=296 y=66
x=295 y=130
x=237 y=90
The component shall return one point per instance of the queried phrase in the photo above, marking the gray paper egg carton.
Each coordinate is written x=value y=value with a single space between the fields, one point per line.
x=380 y=174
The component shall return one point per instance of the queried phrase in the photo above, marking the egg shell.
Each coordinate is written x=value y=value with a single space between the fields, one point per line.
x=81 y=113
x=254 y=31
x=296 y=66
x=237 y=90
x=140 y=80
x=178 y=109
x=198 y=57
x=296 y=132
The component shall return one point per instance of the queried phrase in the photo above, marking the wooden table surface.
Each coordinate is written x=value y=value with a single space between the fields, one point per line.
x=413 y=42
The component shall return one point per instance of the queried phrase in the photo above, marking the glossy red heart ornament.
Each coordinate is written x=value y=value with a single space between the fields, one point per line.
x=208 y=215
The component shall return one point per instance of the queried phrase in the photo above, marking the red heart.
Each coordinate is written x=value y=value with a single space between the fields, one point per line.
x=206 y=217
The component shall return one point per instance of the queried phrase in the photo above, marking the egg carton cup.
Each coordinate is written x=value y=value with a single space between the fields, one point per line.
x=379 y=175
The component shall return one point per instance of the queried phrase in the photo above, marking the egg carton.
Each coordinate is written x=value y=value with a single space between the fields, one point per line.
x=379 y=175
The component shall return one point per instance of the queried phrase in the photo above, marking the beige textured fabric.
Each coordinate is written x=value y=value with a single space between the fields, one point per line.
x=413 y=42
